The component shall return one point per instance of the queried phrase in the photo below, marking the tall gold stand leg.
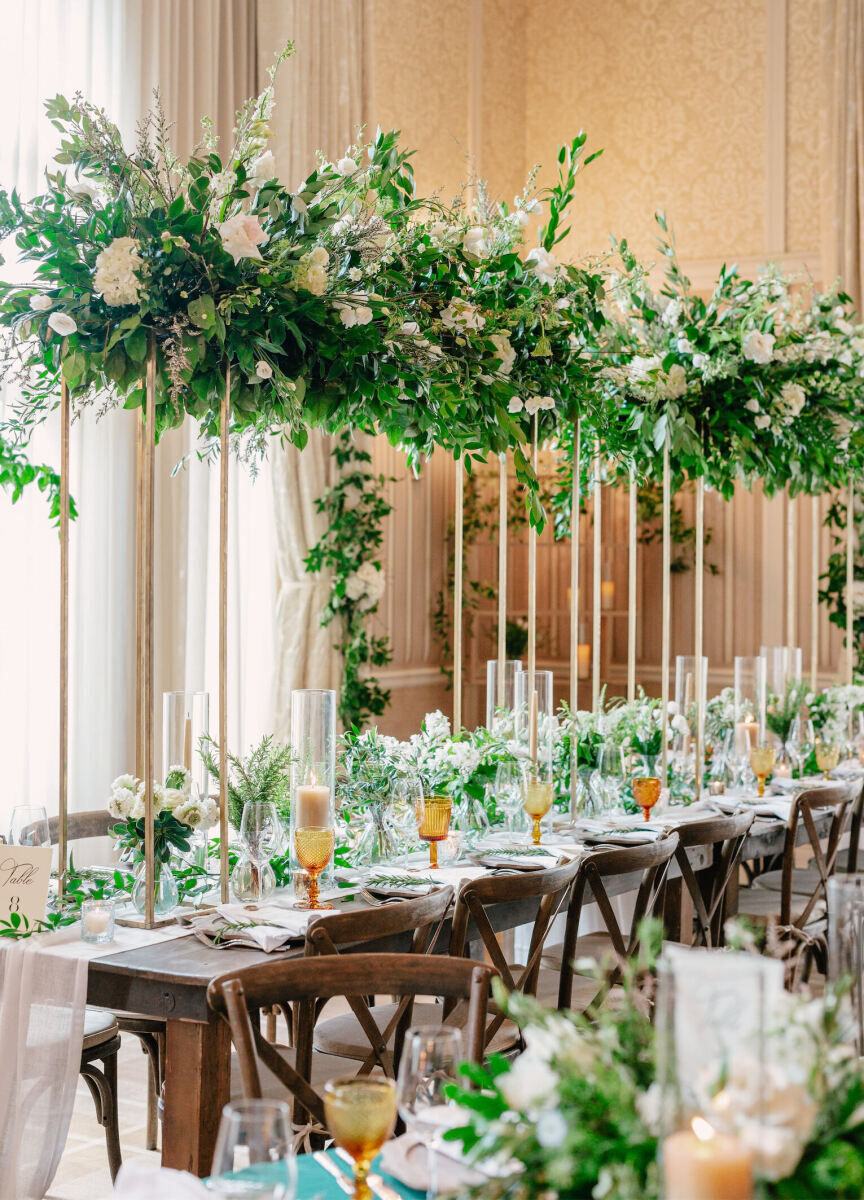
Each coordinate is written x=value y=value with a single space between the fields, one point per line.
x=575 y=504
x=815 y=530
x=459 y=551
x=666 y=612
x=698 y=624
x=502 y=579
x=597 y=510
x=631 y=587
x=65 y=434
x=224 y=447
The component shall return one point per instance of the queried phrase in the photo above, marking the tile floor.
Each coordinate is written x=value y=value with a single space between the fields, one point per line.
x=83 y=1172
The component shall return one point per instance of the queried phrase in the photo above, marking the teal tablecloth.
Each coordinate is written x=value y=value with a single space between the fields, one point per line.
x=313 y=1180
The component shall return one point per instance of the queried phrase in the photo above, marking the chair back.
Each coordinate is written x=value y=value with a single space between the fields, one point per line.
x=476 y=902
x=419 y=918
x=236 y=994
x=804 y=805
x=650 y=863
x=97 y=823
x=855 y=830
x=727 y=836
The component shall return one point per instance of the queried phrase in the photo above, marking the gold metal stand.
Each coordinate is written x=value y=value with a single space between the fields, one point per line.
x=631 y=587
x=815 y=530
x=224 y=450
x=791 y=572
x=850 y=582
x=665 y=620
x=145 y=593
x=597 y=510
x=532 y=584
x=698 y=622
x=65 y=434
x=575 y=501
x=502 y=578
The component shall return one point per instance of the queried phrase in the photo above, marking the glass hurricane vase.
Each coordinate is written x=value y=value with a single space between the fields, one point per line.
x=165 y=892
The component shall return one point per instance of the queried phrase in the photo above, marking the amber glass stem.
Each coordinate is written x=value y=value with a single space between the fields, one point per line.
x=535 y=832
x=433 y=854
x=361 y=1170
x=313 y=890
x=760 y=791
x=646 y=812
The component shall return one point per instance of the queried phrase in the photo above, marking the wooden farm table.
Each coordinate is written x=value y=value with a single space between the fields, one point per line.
x=169 y=980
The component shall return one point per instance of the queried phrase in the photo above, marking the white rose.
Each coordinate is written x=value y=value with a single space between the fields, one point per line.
x=845 y=327
x=700 y=361
x=532 y=405
x=684 y=346
x=62 y=323
x=515 y=405
x=263 y=369
x=528 y=1083
x=640 y=367
x=506 y=353
x=543 y=264
x=762 y=421
x=758 y=347
x=318 y=256
x=676 y=381
x=410 y=329
x=241 y=236
x=316 y=280
x=679 y=724
x=137 y=808
x=346 y=166
x=40 y=303
x=170 y=798
x=476 y=242
x=462 y=314
x=263 y=168
x=752 y=405
x=546 y=402
x=794 y=397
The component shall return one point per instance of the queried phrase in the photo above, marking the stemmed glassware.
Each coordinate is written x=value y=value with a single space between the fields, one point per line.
x=433 y=822
x=607 y=780
x=646 y=793
x=802 y=740
x=314 y=847
x=407 y=791
x=509 y=787
x=29 y=826
x=827 y=756
x=361 y=1115
x=262 y=837
x=537 y=796
x=254 y=1155
x=430 y=1061
x=762 y=760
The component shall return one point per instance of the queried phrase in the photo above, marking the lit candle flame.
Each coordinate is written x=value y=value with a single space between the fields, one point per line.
x=702 y=1129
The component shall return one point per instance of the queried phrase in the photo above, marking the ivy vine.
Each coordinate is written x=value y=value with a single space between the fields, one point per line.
x=355 y=509
x=833 y=593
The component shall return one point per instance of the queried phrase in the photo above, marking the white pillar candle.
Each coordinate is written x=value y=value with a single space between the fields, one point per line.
x=700 y=1164
x=313 y=806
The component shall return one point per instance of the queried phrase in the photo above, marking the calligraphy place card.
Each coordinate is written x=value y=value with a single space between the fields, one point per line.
x=25 y=873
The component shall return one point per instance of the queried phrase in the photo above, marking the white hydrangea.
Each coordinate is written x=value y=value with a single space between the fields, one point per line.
x=793 y=398
x=311 y=271
x=504 y=352
x=365 y=586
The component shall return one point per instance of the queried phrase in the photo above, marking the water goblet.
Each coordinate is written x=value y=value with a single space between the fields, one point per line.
x=827 y=757
x=254 y=1155
x=762 y=760
x=802 y=740
x=646 y=793
x=262 y=837
x=608 y=779
x=433 y=822
x=313 y=846
x=429 y=1063
x=361 y=1116
x=406 y=793
x=537 y=799
x=29 y=826
x=509 y=784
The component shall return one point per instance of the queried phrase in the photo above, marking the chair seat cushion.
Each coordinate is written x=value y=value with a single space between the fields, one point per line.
x=99 y=1026
x=324 y=1067
x=761 y=904
x=344 y=1034
x=805 y=880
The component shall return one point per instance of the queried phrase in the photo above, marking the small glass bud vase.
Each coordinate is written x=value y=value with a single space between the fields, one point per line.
x=165 y=894
x=97 y=921
x=252 y=882
x=313 y=778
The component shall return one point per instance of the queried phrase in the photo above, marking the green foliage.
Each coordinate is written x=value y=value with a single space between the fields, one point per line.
x=355 y=508
x=833 y=591
x=170 y=837
x=17 y=473
x=261 y=775
x=781 y=711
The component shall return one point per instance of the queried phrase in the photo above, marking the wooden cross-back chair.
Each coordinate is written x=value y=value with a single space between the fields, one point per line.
x=648 y=865
x=792 y=896
x=419 y=918
x=547 y=889
x=852 y=863
x=707 y=890
x=305 y=982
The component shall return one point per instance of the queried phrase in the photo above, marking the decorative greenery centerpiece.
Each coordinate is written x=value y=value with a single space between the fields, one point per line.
x=831 y=712
x=781 y=711
x=580 y=1110
x=262 y=774
x=176 y=815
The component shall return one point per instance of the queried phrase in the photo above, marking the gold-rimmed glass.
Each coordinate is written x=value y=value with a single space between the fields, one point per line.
x=827 y=757
x=433 y=822
x=646 y=793
x=361 y=1115
x=537 y=800
x=313 y=847
x=762 y=759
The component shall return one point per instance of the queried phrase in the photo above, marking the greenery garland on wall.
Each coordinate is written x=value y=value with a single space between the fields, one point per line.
x=833 y=594
x=355 y=509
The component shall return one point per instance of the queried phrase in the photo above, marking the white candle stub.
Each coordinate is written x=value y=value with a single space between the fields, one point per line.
x=313 y=806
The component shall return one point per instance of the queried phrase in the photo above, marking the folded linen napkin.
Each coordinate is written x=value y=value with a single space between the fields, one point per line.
x=765 y=807
x=624 y=831
x=520 y=858
x=407 y=1158
x=785 y=784
x=266 y=927
x=141 y=1181
x=401 y=883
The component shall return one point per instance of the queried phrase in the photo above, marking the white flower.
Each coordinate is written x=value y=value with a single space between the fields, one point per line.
x=263 y=168
x=762 y=421
x=476 y=242
x=639 y=367
x=528 y=1083
x=315 y=280
x=551 y=1129
x=506 y=353
x=679 y=724
x=793 y=397
x=242 y=235
x=83 y=189
x=515 y=405
x=532 y=404
x=40 y=303
x=543 y=263
x=318 y=256
x=700 y=361
x=346 y=166
x=461 y=314
x=520 y=218
x=758 y=347
x=352 y=311
x=124 y=781
x=200 y=814
x=169 y=797
x=531 y=206
x=62 y=323
x=546 y=402
x=672 y=312
x=410 y=329
x=676 y=381
x=752 y=405
x=365 y=586
x=684 y=346
x=263 y=369
x=355 y=274
x=115 y=276
x=845 y=327
x=221 y=183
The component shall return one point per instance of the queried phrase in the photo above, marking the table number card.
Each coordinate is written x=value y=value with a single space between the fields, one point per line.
x=25 y=873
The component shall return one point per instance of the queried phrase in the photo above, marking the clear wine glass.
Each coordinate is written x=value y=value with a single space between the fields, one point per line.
x=29 y=826
x=430 y=1061
x=263 y=837
x=802 y=740
x=509 y=789
x=407 y=793
x=254 y=1156
x=607 y=780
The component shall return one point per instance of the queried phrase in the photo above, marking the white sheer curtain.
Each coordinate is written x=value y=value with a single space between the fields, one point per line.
x=202 y=55
x=319 y=106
